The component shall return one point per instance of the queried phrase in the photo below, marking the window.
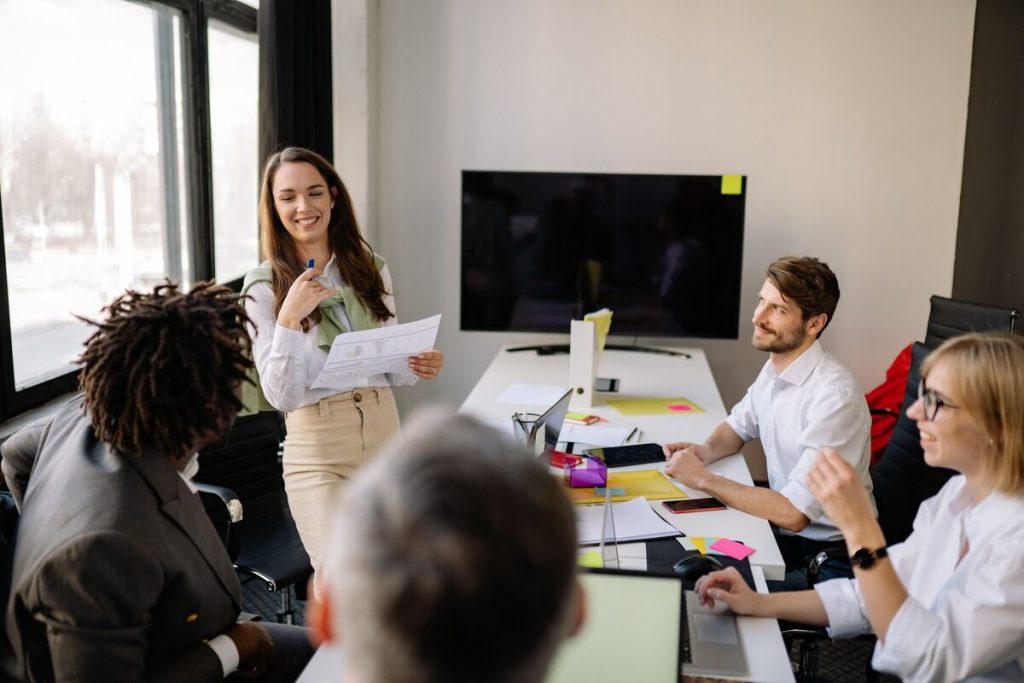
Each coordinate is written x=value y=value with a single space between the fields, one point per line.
x=104 y=172
x=234 y=67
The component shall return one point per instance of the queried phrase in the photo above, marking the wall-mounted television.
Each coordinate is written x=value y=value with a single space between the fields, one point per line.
x=664 y=252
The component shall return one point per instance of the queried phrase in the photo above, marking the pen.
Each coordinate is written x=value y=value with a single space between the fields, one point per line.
x=309 y=263
x=636 y=430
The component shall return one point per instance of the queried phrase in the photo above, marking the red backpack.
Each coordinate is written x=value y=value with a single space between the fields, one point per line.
x=885 y=401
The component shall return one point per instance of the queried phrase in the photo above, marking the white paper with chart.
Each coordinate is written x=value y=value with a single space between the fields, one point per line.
x=355 y=355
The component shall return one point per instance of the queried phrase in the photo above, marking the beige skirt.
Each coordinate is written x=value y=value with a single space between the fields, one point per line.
x=326 y=443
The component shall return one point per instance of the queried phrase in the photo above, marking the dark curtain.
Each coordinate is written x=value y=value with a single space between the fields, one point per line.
x=295 y=76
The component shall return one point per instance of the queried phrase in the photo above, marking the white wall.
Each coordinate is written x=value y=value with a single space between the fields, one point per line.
x=848 y=118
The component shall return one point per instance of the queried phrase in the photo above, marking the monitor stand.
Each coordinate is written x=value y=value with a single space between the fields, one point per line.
x=552 y=349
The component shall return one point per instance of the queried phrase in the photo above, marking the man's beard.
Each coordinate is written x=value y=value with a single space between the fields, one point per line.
x=780 y=343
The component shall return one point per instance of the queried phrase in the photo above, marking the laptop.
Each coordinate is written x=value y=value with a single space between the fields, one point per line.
x=646 y=627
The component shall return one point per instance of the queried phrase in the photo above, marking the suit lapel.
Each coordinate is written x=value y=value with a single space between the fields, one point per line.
x=183 y=508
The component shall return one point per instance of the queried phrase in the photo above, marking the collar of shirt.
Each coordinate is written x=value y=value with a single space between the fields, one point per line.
x=800 y=369
x=994 y=511
x=190 y=471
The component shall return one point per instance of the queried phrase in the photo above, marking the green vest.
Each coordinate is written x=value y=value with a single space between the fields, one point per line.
x=330 y=326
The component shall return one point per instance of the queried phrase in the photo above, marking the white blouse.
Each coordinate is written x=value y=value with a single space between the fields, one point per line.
x=290 y=360
x=960 y=621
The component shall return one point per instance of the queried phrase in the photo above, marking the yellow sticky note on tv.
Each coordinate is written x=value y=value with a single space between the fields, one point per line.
x=732 y=184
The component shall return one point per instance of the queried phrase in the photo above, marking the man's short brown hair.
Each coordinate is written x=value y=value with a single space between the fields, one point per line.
x=807 y=282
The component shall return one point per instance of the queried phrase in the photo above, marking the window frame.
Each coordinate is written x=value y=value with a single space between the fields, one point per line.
x=199 y=169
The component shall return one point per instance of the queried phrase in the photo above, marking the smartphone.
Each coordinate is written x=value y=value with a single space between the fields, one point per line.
x=694 y=505
x=606 y=384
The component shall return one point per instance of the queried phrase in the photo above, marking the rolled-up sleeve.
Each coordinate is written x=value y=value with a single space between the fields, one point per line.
x=847 y=615
x=743 y=419
x=277 y=352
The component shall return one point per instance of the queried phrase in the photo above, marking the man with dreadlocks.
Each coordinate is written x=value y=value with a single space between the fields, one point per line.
x=118 y=574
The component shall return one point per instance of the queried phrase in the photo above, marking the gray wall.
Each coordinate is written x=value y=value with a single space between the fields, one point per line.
x=848 y=117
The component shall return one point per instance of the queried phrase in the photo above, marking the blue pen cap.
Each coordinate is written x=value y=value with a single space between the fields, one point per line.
x=309 y=263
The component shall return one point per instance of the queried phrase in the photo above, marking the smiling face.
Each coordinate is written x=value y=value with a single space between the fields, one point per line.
x=952 y=438
x=779 y=326
x=303 y=202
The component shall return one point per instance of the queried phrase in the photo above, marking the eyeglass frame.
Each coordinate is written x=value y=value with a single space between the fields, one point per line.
x=931 y=402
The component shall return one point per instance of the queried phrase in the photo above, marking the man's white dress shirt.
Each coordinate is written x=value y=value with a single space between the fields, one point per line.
x=960 y=621
x=814 y=402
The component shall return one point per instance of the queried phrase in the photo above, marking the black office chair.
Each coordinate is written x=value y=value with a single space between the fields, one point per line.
x=247 y=462
x=902 y=480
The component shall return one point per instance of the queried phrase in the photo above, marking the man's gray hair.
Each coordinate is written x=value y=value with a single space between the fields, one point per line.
x=452 y=559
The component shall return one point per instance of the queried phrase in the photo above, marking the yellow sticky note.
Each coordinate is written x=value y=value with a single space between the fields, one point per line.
x=701 y=545
x=591 y=558
x=732 y=184
x=669 y=405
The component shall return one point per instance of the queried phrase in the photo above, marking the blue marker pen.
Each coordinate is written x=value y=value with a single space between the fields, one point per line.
x=309 y=263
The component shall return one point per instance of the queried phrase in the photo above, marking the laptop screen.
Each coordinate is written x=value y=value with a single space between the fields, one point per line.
x=633 y=630
x=553 y=418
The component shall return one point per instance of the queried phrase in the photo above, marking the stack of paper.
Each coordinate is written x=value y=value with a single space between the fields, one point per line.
x=633 y=521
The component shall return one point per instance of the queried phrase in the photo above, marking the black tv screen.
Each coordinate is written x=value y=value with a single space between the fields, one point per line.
x=663 y=252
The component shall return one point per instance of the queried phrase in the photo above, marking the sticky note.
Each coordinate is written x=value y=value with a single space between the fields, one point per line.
x=687 y=543
x=680 y=407
x=732 y=184
x=735 y=550
x=591 y=558
x=700 y=545
x=600 y=491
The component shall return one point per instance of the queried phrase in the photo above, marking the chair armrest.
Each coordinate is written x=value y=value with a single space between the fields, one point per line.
x=226 y=513
x=814 y=566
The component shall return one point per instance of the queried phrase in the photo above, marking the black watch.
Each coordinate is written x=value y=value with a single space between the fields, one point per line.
x=866 y=559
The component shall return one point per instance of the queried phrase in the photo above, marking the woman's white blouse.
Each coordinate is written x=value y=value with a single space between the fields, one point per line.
x=959 y=622
x=290 y=360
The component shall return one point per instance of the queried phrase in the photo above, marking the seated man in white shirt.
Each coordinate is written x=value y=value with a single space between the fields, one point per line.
x=802 y=401
x=452 y=558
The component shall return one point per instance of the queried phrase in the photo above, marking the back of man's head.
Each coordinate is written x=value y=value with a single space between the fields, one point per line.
x=453 y=559
x=807 y=282
x=161 y=373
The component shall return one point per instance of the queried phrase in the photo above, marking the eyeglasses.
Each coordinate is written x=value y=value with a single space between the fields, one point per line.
x=931 y=401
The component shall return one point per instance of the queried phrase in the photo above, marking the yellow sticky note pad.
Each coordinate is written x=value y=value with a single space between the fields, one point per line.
x=591 y=558
x=732 y=184
x=649 y=484
x=669 y=405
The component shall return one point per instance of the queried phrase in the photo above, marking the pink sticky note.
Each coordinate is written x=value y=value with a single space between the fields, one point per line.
x=735 y=550
x=680 y=407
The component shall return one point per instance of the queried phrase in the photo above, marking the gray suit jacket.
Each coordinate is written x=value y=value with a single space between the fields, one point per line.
x=118 y=573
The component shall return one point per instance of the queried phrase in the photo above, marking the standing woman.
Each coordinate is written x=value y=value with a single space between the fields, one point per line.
x=947 y=604
x=306 y=215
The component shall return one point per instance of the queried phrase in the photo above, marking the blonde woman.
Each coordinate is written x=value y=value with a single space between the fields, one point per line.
x=948 y=603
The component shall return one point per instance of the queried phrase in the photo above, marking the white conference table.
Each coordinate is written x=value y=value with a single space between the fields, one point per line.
x=647 y=375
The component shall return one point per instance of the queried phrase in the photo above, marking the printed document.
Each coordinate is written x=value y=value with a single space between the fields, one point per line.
x=355 y=355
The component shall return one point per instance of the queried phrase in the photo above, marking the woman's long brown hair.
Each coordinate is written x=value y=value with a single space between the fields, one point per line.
x=351 y=252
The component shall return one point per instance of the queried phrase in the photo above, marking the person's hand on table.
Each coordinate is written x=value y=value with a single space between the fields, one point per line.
x=675 y=446
x=427 y=365
x=729 y=587
x=685 y=467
